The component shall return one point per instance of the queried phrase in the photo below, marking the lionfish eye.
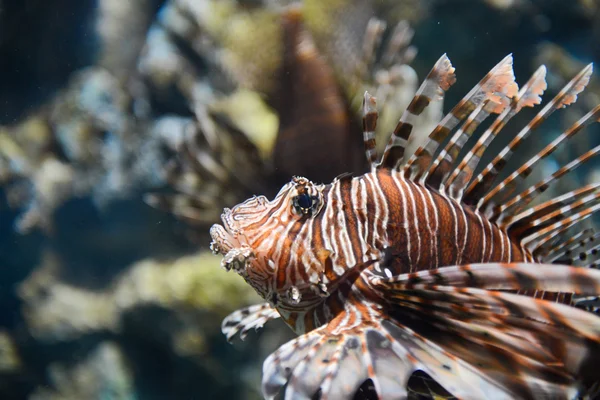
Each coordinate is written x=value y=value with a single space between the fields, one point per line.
x=307 y=200
x=305 y=204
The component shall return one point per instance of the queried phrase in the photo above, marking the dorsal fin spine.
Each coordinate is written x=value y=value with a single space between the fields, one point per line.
x=508 y=185
x=439 y=79
x=528 y=96
x=483 y=182
x=498 y=80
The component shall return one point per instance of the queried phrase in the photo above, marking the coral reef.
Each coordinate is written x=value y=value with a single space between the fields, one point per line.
x=103 y=374
x=56 y=311
x=182 y=302
x=86 y=143
x=10 y=362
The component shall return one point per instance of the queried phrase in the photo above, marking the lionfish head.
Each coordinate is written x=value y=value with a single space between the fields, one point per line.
x=256 y=235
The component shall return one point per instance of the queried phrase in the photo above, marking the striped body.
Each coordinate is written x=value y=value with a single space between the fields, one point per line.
x=377 y=224
x=424 y=269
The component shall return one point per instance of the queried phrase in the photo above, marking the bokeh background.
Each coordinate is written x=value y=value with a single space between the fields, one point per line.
x=202 y=103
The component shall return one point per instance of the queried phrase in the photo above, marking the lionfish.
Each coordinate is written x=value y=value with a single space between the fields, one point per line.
x=422 y=266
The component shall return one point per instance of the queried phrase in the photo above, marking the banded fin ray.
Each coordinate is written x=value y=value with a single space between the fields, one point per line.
x=484 y=329
x=536 y=219
x=519 y=202
x=439 y=80
x=529 y=96
x=337 y=358
x=557 y=236
x=496 y=80
x=245 y=319
x=539 y=237
x=476 y=303
x=442 y=165
x=496 y=276
x=369 y=121
x=478 y=345
x=479 y=186
x=508 y=185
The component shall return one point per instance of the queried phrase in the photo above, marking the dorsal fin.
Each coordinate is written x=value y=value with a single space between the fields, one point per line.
x=531 y=223
x=442 y=165
x=369 y=121
x=519 y=202
x=492 y=83
x=540 y=237
x=483 y=182
x=528 y=96
x=551 y=205
x=555 y=239
x=494 y=209
x=439 y=79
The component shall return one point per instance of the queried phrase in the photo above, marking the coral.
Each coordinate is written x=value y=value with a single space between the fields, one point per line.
x=56 y=311
x=10 y=361
x=96 y=138
x=86 y=143
x=175 y=307
x=188 y=106
x=123 y=19
x=103 y=374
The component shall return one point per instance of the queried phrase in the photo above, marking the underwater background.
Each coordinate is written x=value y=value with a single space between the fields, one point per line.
x=116 y=115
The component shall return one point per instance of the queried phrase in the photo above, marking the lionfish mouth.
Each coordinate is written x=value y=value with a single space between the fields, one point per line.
x=228 y=240
x=225 y=237
x=230 y=235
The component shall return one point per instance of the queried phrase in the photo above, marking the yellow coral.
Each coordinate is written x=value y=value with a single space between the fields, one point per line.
x=9 y=358
x=254 y=48
x=249 y=113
